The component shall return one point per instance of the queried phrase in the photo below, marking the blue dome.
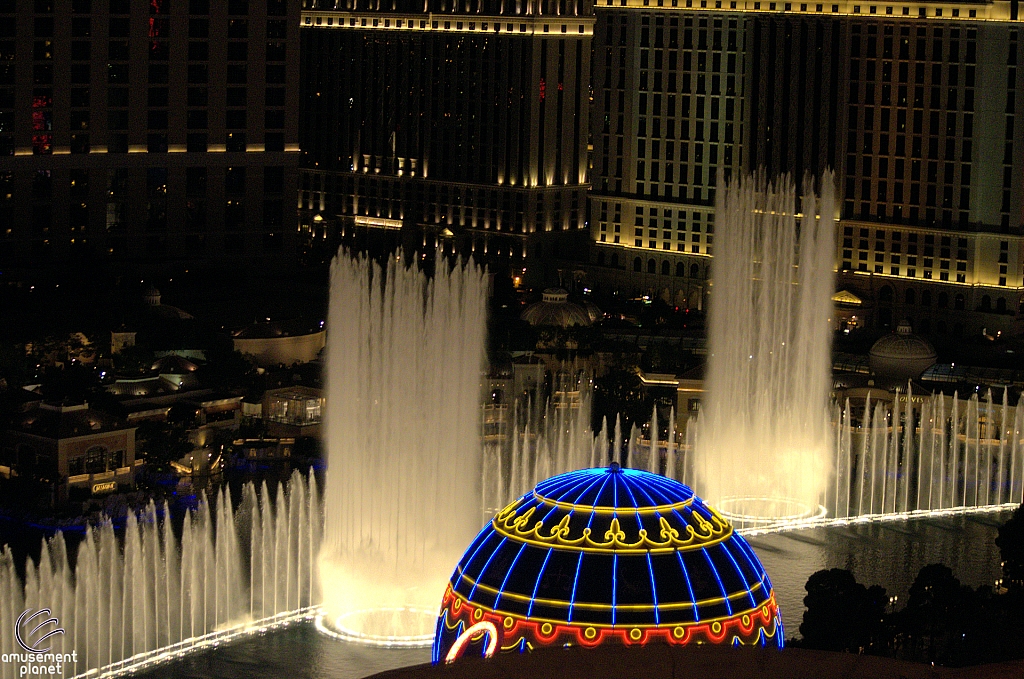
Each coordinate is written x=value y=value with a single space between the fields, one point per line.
x=609 y=553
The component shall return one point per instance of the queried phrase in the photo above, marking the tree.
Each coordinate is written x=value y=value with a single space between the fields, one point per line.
x=228 y=370
x=842 y=614
x=1011 y=549
x=933 y=621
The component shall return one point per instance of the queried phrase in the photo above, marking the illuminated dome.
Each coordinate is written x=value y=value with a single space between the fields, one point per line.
x=901 y=355
x=606 y=555
x=556 y=309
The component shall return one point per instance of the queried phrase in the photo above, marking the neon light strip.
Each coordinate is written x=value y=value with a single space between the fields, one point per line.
x=465 y=564
x=654 y=591
x=770 y=606
x=721 y=586
x=484 y=569
x=560 y=603
x=600 y=509
x=667 y=489
x=501 y=590
x=878 y=518
x=650 y=490
x=743 y=577
x=482 y=627
x=575 y=582
x=615 y=584
x=701 y=536
x=689 y=588
x=752 y=559
x=536 y=585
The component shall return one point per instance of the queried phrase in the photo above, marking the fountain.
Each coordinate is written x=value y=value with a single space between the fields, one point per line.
x=763 y=444
x=410 y=483
x=537 y=446
x=402 y=494
x=927 y=454
x=131 y=601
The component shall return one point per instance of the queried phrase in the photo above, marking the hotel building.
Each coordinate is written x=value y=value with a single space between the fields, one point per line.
x=455 y=125
x=913 y=106
x=160 y=131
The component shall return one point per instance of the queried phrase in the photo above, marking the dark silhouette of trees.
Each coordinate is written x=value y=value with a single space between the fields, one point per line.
x=943 y=621
x=1010 y=542
x=932 y=623
x=842 y=614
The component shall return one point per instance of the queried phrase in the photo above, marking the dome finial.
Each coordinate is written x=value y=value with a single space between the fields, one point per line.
x=615 y=468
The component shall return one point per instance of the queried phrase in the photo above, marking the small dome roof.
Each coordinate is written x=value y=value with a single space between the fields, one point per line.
x=901 y=356
x=903 y=344
x=607 y=555
x=556 y=309
x=593 y=311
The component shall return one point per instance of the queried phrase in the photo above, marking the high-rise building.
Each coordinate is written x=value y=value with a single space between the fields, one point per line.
x=912 y=105
x=158 y=131
x=455 y=125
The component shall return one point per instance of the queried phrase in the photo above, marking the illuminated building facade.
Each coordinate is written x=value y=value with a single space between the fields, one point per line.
x=463 y=126
x=162 y=131
x=606 y=556
x=912 y=105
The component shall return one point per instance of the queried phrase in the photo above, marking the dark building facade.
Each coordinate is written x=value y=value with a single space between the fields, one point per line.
x=911 y=105
x=159 y=131
x=461 y=127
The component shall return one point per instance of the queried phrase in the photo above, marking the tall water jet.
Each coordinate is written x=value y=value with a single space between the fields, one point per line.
x=764 y=442
x=132 y=601
x=402 y=494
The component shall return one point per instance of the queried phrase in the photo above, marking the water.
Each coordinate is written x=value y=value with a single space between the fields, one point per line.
x=888 y=554
x=402 y=494
x=883 y=553
x=127 y=598
x=763 y=433
x=538 y=446
x=924 y=453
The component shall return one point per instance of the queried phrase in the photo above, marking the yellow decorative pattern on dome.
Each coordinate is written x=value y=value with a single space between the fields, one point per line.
x=651 y=509
x=697 y=532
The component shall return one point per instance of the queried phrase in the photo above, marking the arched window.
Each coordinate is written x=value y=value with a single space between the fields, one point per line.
x=600 y=259
x=680 y=269
x=986 y=303
x=885 y=295
x=694 y=271
x=652 y=266
x=925 y=326
x=943 y=300
x=637 y=264
x=926 y=298
x=665 y=268
x=910 y=296
x=1001 y=305
x=615 y=259
x=958 y=304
